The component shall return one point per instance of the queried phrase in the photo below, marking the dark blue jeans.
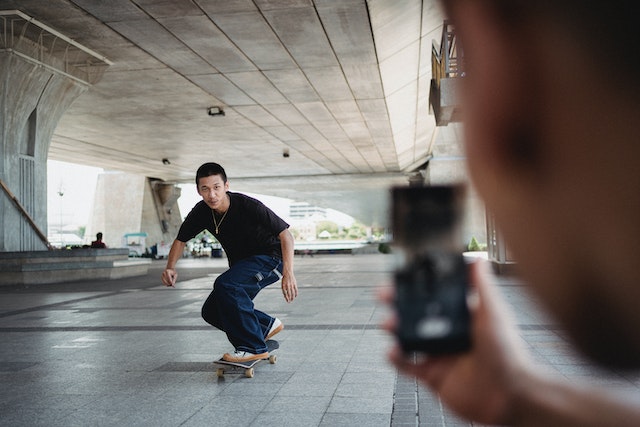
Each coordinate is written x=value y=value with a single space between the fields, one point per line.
x=230 y=307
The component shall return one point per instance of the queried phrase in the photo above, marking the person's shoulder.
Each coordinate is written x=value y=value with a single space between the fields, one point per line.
x=243 y=198
x=198 y=209
x=201 y=205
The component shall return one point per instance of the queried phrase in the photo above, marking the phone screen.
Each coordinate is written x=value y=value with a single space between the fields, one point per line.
x=432 y=282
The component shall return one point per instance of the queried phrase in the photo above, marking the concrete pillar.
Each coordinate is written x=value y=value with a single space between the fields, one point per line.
x=32 y=100
x=447 y=166
x=127 y=203
x=499 y=251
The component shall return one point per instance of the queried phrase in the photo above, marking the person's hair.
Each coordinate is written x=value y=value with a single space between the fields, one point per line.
x=99 y=236
x=209 y=169
x=608 y=31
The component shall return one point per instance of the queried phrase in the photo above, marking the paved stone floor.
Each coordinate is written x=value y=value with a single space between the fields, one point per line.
x=130 y=352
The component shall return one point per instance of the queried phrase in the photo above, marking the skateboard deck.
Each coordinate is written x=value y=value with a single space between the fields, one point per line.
x=236 y=367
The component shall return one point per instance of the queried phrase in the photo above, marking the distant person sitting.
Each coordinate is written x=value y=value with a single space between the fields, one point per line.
x=98 y=243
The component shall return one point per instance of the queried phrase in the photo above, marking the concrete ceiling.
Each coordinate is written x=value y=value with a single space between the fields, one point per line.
x=342 y=85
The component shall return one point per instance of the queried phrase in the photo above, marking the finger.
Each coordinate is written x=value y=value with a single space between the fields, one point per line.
x=289 y=296
x=169 y=278
x=432 y=370
x=289 y=291
x=386 y=294
x=390 y=323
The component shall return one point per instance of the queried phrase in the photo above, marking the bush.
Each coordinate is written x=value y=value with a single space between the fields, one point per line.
x=384 y=248
x=474 y=246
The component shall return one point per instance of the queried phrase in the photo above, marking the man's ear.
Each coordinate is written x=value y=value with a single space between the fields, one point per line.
x=499 y=98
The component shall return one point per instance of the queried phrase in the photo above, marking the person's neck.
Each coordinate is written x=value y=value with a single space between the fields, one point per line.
x=225 y=206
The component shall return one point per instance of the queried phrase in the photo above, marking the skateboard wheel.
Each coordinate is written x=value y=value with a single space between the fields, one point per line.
x=249 y=373
x=220 y=372
x=272 y=359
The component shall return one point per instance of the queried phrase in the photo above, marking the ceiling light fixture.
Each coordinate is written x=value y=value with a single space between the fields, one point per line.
x=166 y=161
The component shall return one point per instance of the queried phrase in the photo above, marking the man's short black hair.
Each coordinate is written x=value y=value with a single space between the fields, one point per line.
x=209 y=169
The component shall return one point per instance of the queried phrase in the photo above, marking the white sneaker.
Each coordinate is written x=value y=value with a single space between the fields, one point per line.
x=244 y=356
x=275 y=328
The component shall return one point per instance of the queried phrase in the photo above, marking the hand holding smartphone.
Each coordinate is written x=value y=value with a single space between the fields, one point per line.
x=432 y=282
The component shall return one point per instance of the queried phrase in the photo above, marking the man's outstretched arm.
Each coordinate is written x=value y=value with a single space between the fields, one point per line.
x=289 y=285
x=170 y=275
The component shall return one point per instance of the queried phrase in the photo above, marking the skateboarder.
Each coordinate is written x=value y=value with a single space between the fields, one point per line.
x=259 y=247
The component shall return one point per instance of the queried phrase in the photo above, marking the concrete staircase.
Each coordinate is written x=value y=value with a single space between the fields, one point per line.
x=41 y=267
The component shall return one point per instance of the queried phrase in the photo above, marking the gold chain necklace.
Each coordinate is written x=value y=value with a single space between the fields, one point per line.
x=216 y=223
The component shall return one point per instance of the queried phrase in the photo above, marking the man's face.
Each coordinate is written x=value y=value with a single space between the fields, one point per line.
x=213 y=191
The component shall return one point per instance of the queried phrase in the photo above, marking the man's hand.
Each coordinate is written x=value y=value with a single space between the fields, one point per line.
x=289 y=287
x=169 y=277
x=479 y=384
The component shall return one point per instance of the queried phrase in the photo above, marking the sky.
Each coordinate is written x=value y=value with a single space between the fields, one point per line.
x=77 y=184
x=71 y=191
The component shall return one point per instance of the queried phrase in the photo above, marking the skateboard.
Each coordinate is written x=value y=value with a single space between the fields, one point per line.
x=235 y=367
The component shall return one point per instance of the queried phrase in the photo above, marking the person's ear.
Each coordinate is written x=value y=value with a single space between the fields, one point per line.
x=499 y=102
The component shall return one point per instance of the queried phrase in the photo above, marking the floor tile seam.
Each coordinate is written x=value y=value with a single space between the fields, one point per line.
x=334 y=395
x=405 y=386
x=347 y=371
x=58 y=304
x=196 y=328
x=157 y=328
x=267 y=290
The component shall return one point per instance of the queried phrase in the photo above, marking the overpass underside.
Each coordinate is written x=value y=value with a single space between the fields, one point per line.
x=342 y=90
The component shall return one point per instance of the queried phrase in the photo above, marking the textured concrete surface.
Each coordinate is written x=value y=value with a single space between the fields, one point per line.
x=131 y=352
x=342 y=85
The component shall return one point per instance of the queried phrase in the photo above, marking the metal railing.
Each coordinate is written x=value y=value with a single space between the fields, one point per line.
x=36 y=42
x=447 y=59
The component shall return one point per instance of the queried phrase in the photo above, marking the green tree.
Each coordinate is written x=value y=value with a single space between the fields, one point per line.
x=328 y=226
x=357 y=231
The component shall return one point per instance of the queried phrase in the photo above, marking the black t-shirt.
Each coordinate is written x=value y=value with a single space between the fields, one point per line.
x=249 y=227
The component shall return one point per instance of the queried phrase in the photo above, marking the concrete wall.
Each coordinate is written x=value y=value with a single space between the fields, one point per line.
x=449 y=166
x=32 y=100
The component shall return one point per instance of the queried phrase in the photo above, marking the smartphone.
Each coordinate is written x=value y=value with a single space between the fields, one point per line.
x=432 y=281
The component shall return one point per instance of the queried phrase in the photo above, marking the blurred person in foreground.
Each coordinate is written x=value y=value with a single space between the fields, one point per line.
x=552 y=126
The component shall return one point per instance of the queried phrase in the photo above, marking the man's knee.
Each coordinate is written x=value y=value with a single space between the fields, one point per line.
x=209 y=312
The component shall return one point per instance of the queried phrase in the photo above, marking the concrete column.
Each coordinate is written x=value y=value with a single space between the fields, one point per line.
x=447 y=166
x=127 y=203
x=32 y=101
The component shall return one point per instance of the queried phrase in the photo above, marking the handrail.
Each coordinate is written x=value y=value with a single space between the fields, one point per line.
x=447 y=58
x=26 y=215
